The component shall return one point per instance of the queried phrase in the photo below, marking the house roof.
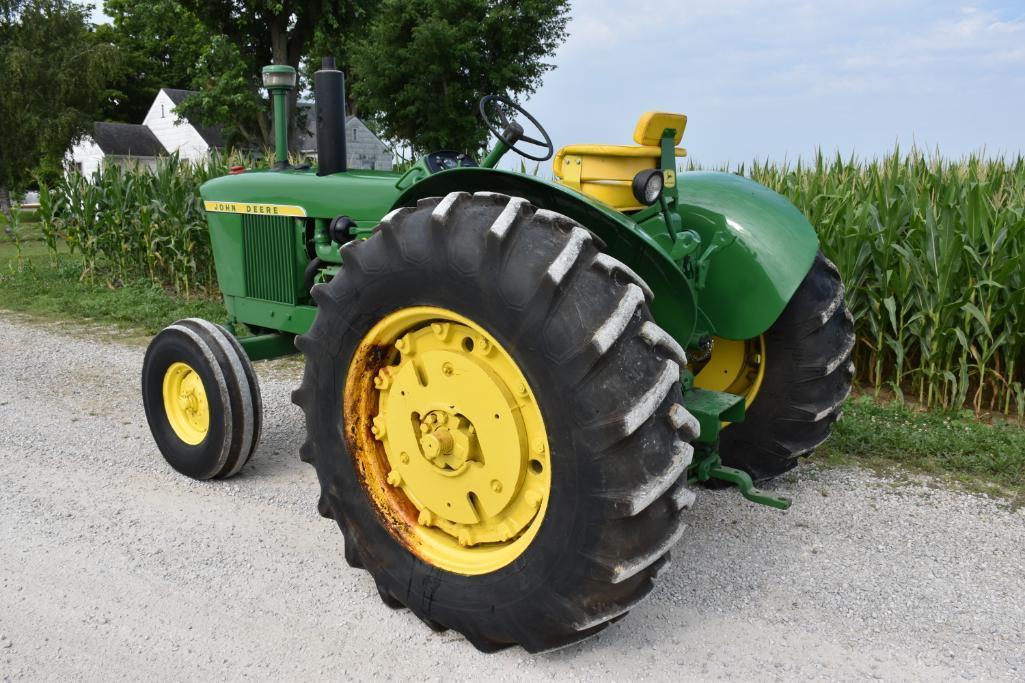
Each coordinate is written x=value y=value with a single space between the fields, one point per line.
x=126 y=139
x=212 y=135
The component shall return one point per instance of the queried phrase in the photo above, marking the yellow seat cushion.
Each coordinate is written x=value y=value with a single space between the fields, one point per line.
x=652 y=123
x=606 y=172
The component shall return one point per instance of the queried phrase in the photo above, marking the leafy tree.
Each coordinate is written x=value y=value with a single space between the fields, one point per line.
x=257 y=33
x=160 y=44
x=424 y=64
x=54 y=73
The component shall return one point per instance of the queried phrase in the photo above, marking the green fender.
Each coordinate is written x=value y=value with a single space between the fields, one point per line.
x=765 y=248
x=674 y=305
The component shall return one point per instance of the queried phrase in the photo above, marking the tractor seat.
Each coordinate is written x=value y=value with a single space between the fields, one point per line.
x=605 y=172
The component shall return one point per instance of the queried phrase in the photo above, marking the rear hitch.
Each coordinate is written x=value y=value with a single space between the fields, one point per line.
x=712 y=409
x=708 y=465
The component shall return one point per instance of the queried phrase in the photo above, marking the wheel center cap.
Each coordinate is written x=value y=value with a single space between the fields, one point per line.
x=448 y=441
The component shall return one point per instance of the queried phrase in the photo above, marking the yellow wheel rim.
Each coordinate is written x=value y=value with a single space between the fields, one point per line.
x=735 y=367
x=185 y=403
x=448 y=439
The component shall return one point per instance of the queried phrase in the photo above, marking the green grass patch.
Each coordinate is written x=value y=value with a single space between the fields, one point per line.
x=24 y=216
x=957 y=445
x=40 y=285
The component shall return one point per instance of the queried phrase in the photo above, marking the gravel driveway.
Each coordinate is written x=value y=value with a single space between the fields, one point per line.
x=112 y=566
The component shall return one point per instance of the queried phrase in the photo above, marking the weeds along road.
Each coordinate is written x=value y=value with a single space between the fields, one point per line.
x=112 y=566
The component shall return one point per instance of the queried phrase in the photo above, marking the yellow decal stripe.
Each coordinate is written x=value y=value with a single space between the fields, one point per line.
x=255 y=209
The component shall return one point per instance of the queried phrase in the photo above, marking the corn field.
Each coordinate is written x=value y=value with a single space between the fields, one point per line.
x=933 y=255
x=130 y=224
x=932 y=251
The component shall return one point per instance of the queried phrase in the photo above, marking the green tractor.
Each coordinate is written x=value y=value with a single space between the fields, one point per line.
x=511 y=384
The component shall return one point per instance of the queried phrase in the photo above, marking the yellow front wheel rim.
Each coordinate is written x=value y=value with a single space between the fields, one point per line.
x=449 y=440
x=185 y=403
x=735 y=367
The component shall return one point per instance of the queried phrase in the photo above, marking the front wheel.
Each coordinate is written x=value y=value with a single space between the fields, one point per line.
x=495 y=422
x=202 y=399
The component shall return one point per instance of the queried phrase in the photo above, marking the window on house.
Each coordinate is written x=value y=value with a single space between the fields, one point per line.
x=161 y=111
x=354 y=135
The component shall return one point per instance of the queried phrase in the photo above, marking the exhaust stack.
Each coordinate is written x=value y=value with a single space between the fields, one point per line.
x=329 y=95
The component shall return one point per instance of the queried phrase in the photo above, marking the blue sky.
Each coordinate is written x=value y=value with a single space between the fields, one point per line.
x=777 y=78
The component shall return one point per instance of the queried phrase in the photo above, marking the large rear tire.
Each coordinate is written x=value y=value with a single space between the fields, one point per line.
x=530 y=288
x=806 y=377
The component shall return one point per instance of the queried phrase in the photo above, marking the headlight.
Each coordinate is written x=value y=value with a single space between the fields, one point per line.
x=278 y=76
x=647 y=186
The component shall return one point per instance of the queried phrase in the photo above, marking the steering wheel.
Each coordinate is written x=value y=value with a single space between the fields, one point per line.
x=511 y=131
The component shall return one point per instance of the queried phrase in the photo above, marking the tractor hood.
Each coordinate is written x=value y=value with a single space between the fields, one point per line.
x=361 y=195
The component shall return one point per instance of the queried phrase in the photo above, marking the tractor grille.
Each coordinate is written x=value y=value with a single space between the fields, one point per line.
x=268 y=248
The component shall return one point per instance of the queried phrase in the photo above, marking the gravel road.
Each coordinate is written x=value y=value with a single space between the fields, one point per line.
x=112 y=566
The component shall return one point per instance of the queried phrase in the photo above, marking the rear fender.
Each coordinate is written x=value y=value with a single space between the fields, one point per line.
x=767 y=247
x=674 y=304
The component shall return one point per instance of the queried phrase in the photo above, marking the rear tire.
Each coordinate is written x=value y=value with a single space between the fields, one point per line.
x=808 y=375
x=606 y=380
x=215 y=430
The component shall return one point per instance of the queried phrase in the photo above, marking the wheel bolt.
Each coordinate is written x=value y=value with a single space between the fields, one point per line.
x=394 y=478
x=425 y=518
x=533 y=499
x=496 y=486
x=446 y=369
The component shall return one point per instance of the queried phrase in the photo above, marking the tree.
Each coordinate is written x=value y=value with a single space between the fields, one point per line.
x=160 y=44
x=54 y=73
x=259 y=32
x=424 y=64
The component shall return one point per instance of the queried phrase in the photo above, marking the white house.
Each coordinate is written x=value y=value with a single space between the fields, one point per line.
x=177 y=133
x=164 y=131
x=123 y=144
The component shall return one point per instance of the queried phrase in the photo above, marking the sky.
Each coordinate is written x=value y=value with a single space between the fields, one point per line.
x=776 y=79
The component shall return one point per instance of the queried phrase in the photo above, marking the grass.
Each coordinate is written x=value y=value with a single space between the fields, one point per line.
x=47 y=286
x=24 y=216
x=883 y=434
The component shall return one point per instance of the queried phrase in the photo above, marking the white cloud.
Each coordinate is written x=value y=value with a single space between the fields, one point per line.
x=851 y=74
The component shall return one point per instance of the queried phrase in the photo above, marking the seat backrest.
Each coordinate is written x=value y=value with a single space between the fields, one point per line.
x=652 y=123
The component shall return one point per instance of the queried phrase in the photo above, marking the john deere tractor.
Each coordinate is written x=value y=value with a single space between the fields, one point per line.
x=512 y=384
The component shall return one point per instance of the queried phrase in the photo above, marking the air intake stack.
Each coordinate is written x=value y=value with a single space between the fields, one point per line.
x=329 y=94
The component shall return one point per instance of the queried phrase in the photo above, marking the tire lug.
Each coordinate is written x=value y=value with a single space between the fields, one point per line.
x=533 y=499
x=425 y=518
x=394 y=478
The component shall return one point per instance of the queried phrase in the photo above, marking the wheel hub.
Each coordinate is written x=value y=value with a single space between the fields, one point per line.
x=185 y=403
x=462 y=444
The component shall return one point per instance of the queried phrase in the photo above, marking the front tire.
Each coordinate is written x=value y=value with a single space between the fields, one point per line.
x=575 y=324
x=202 y=399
